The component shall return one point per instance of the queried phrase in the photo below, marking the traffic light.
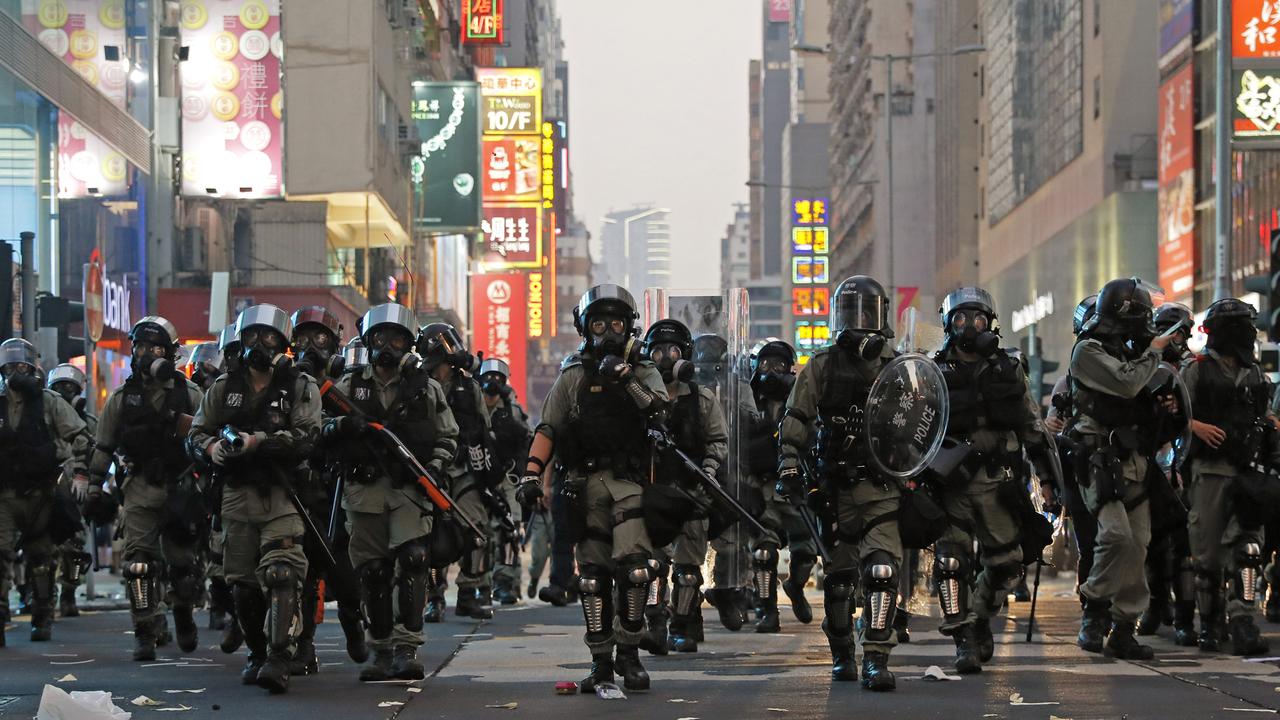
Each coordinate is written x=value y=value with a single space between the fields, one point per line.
x=1039 y=367
x=60 y=313
x=1261 y=284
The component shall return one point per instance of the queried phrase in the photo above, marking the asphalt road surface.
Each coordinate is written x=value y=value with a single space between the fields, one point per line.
x=507 y=668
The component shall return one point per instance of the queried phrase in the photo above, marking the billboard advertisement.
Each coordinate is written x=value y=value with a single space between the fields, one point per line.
x=1176 y=17
x=232 y=101
x=779 y=10
x=500 y=322
x=512 y=169
x=512 y=100
x=512 y=236
x=78 y=32
x=1177 y=184
x=446 y=173
x=482 y=22
x=559 y=160
x=1254 y=31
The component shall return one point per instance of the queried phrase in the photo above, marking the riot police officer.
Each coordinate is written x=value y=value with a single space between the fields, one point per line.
x=39 y=431
x=994 y=416
x=257 y=426
x=205 y=364
x=145 y=422
x=316 y=345
x=511 y=436
x=696 y=427
x=221 y=603
x=476 y=486
x=772 y=377
x=1230 y=394
x=832 y=390
x=1169 y=565
x=389 y=522
x=595 y=421
x=1115 y=357
x=69 y=382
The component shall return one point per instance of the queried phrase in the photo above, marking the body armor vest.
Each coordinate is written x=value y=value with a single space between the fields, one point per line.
x=1113 y=411
x=987 y=394
x=685 y=425
x=267 y=413
x=147 y=435
x=28 y=451
x=466 y=411
x=605 y=426
x=762 y=449
x=512 y=436
x=843 y=391
x=408 y=416
x=1234 y=408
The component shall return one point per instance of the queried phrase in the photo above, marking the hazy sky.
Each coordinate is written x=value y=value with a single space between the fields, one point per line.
x=658 y=113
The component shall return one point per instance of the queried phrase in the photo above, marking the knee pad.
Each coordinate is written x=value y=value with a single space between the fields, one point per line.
x=40 y=574
x=414 y=557
x=952 y=571
x=411 y=586
x=658 y=585
x=1248 y=557
x=687 y=578
x=765 y=555
x=280 y=576
x=595 y=593
x=140 y=586
x=764 y=562
x=633 y=576
x=376 y=573
x=186 y=584
x=880 y=578
x=837 y=599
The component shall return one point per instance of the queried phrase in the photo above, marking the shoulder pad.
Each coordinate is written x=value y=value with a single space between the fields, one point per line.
x=570 y=361
x=646 y=364
x=1015 y=354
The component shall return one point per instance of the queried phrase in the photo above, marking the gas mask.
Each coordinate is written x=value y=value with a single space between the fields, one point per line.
x=494 y=386
x=1235 y=337
x=773 y=385
x=68 y=391
x=203 y=375
x=608 y=334
x=1176 y=350
x=148 y=360
x=671 y=363
x=388 y=346
x=262 y=348
x=318 y=363
x=971 y=331
x=864 y=344
x=22 y=380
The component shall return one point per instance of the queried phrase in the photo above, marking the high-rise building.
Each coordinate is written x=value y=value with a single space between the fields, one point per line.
x=956 y=188
x=635 y=249
x=771 y=114
x=735 y=249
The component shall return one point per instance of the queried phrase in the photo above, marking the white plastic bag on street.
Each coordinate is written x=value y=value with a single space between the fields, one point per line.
x=57 y=704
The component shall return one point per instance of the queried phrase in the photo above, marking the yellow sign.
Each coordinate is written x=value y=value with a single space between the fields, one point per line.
x=512 y=100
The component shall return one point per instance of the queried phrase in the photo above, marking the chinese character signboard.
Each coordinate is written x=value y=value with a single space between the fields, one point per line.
x=1177 y=193
x=445 y=187
x=810 y=271
x=512 y=100
x=514 y=187
x=482 y=22
x=811 y=301
x=512 y=169
x=559 y=189
x=512 y=236
x=500 y=322
x=1255 y=29
x=232 y=102
x=809 y=212
x=779 y=10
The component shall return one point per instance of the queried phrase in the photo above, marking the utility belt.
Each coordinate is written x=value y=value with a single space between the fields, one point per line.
x=1101 y=466
x=624 y=465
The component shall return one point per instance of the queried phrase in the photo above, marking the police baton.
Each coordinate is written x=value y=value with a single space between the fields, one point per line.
x=810 y=519
x=1035 y=593
x=713 y=486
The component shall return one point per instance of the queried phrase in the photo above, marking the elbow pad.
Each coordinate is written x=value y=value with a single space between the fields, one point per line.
x=643 y=397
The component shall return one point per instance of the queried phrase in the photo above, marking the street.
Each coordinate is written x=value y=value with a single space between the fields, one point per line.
x=508 y=667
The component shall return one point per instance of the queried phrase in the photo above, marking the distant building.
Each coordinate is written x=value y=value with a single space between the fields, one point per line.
x=635 y=249
x=735 y=249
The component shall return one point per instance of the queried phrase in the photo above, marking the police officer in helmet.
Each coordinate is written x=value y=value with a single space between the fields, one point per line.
x=511 y=435
x=832 y=390
x=595 y=421
x=69 y=382
x=205 y=363
x=145 y=421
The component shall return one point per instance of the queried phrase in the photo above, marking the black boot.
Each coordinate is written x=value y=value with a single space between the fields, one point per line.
x=875 y=672
x=801 y=568
x=437 y=580
x=1021 y=593
x=681 y=639
x=405 y=664
x=163 y=636
x=379 y=669
x=1184 y=623
x=901 y=618
x=1272 y=607
x=353 y=628
x=144 y=640
x=435 y=609
x=1245 y=637
x=67 y=607
x=466 y=603
x=219 y=603
x=1093 y=626
x=634 y=677
x=1124 y=646
x=304 y=661
x=505 y=594
x=843 y=667
x=601 y=672
x=484 y=604
x=232 y=636
x=655 y=640
x=984 y=641
x=1153 y=617
x=531 y=592
x=728 y=607
x=251 y=612
x=555 y=595
x=274 y=673
x=184 y=625
x=42 y=590
x=968 y=657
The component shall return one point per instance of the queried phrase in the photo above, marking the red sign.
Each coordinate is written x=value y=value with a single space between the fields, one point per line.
x=482 y=22
x=1255 y=28
x=93 y=297
x=811 y=301
x=512 y=168
x=779 y=10
x=1177 y=192
x=500 y=322
x=512 y=235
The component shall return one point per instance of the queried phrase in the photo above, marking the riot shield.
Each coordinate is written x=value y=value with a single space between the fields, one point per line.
x=906 y=416
x=920 y=333
x=718 y=321
x=1167 y=383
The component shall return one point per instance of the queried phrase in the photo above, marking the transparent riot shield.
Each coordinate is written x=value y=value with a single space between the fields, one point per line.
x=920 y=333
x=718 y=321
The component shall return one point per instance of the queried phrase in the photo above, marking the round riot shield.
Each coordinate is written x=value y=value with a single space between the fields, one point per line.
x=1174 y=408
x=906 y=416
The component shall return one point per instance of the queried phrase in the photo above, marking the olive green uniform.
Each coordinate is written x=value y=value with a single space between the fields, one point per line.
x=690 y=547
x=466 y=487
x=73 y=551
x=508 y=573
x=26 y=508
x=1124 y=526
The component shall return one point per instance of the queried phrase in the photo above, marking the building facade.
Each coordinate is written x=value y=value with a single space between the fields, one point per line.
x=635 y=249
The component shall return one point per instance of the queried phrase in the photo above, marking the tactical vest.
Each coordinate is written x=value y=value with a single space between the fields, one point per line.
x=606 y=429
x=466 y=411
x=1234 y=408
x=28 y=451
x=687 y=432
x=268 y=413
x=146 y=435
x=762 y=445
x=985 y=394
x=842 y=400
x=409 y=416
x=512 y=436
x=1113 y=411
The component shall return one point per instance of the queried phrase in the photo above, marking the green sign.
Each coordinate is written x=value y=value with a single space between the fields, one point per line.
x=446 y=172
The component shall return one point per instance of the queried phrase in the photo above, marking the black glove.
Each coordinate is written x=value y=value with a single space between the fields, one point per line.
x=789 y=484
x=529 y=490
x=613 y=367
x=574 y=488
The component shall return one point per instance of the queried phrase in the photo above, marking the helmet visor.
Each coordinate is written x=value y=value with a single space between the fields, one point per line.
x=856 y=311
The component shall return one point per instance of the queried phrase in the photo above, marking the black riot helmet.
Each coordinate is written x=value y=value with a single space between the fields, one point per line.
x=1230 y=325
x=1083 y=313
x=19 y=363
x=668 y=343
x=494 y=374
x=970 y=319
x=710 y=358
x=773 y=368
x=264 y=332
x=605 y=318
x=441 y=342
x=206 y=364
x=155 y=347
x=355 y=354
x=1124 y=310
x=68 y=381
x=1174 y=317
x=387 y=331
x=317 y=341
x=860 y=316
